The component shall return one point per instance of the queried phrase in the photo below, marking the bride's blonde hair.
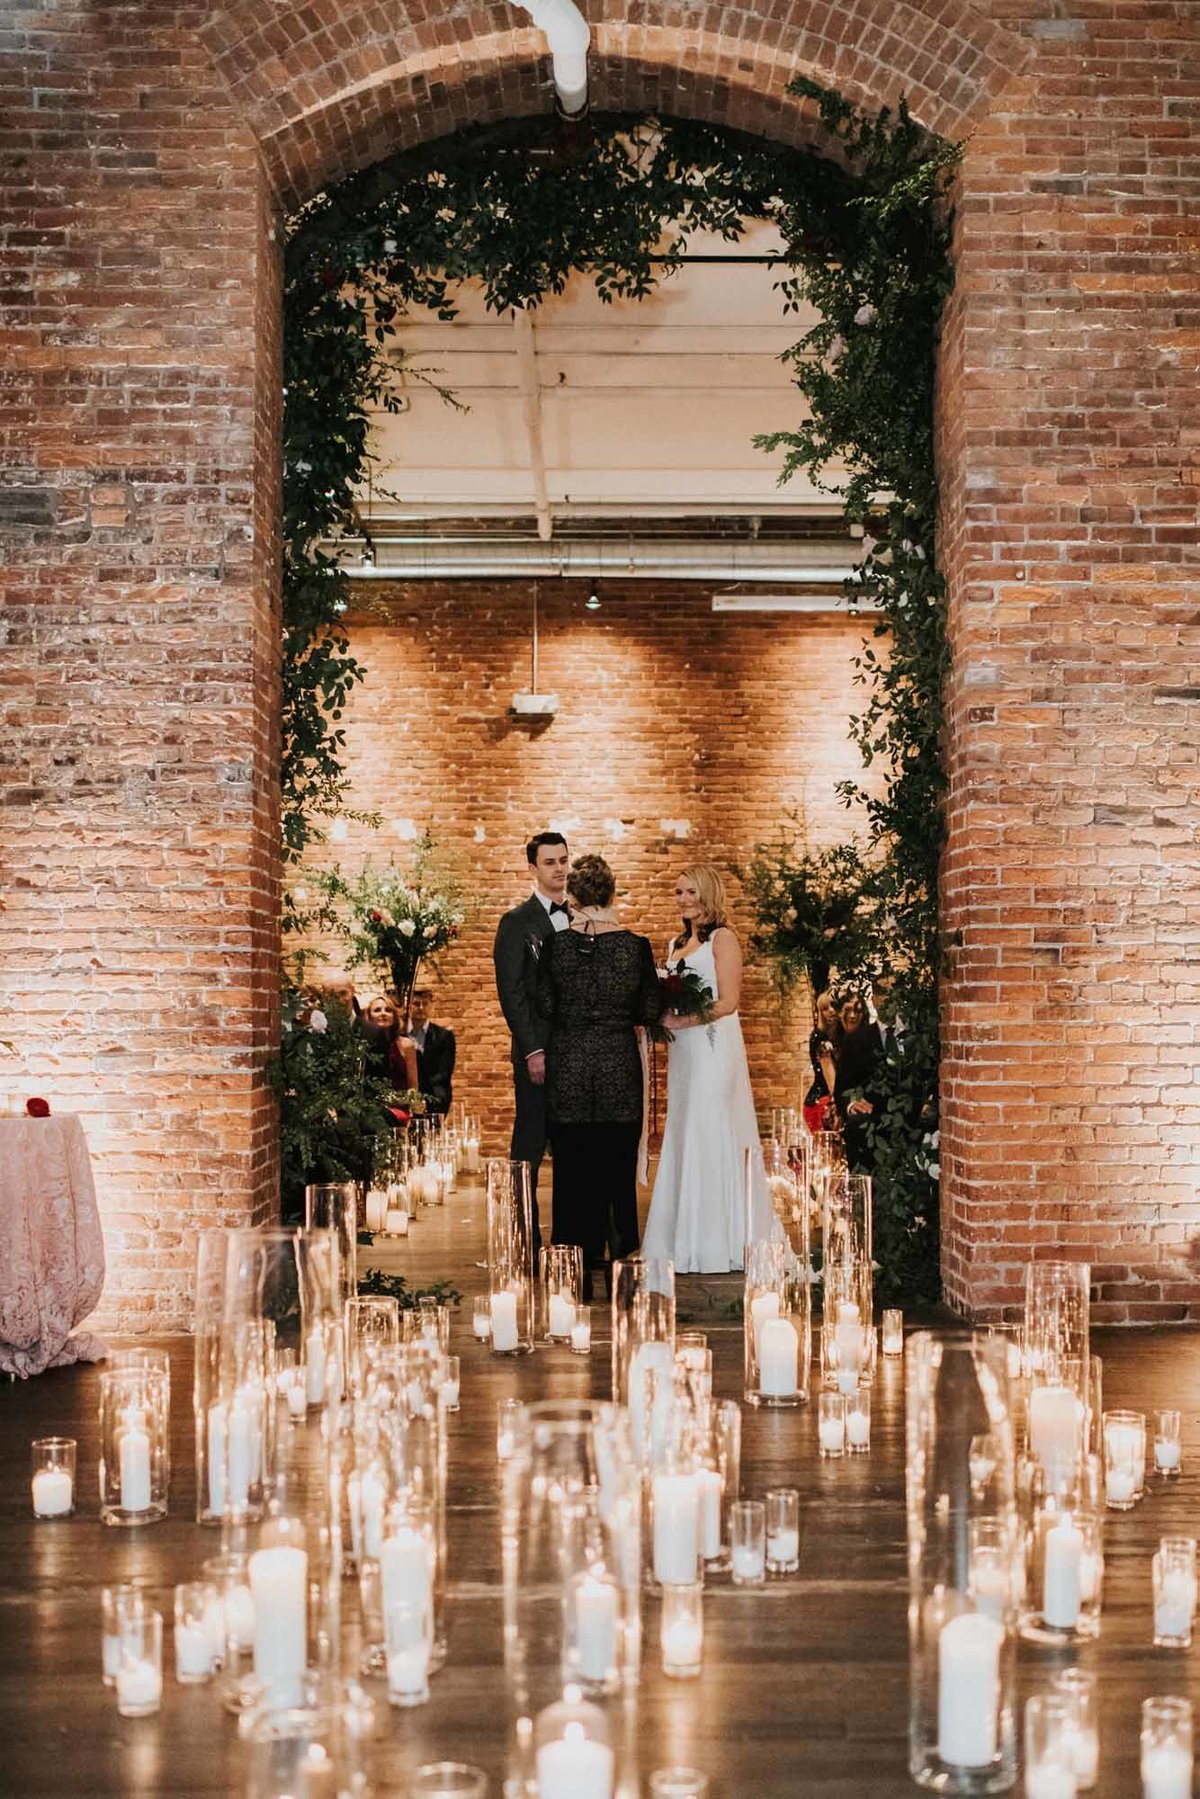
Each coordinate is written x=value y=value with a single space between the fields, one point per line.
x=710 y=891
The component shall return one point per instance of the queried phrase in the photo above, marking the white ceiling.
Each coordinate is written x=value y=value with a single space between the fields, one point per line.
x=578 y=409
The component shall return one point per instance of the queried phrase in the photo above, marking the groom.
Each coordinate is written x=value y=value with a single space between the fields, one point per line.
x=519 y=939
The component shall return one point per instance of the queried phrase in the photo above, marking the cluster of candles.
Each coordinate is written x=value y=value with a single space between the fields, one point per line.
x=1062 y=1742
x=569 y=1320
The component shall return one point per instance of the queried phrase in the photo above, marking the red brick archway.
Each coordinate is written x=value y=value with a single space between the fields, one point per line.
x=138 y=497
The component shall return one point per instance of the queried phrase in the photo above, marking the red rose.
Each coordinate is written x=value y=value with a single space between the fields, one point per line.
x=673 y=985
x=377 y=917
x=399 y=1114
x=37 y=1108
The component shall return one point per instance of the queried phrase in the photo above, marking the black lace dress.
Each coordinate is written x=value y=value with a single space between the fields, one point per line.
x=593 y=991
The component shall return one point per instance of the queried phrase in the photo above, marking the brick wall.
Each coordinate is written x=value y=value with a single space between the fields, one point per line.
x=137 y=485
x=138 y=499
x=1071 y=453
x=682 y=735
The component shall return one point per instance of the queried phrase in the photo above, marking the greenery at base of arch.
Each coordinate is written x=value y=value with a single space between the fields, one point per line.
x=519 y=209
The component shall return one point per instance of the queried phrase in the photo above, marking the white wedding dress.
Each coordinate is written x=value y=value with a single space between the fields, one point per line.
x=698 y=1208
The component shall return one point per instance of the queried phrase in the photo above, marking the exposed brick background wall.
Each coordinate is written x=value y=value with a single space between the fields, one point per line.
x=137 y=485
x=138 y=497
x=672 y=719
x=1071 y=458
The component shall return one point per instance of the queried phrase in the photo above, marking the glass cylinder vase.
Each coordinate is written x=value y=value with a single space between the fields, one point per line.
x=777 y=1329
x=510 y=1257
x=643 y=1342
x=333 y=1206
x=134 y=1468
x=962 y=1699
x=561 y=1285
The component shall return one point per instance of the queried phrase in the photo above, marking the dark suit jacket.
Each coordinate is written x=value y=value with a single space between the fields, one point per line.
x=519 y=938
x=435 y=1067
x=858 y=1062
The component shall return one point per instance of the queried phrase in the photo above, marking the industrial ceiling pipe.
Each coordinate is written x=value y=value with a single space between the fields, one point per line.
x=568 y=35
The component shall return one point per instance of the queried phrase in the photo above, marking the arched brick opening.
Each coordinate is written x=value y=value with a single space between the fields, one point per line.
x=140 y=485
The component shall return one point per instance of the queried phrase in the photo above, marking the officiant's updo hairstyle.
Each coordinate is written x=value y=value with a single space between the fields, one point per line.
x=710 y=891
x=591 y=881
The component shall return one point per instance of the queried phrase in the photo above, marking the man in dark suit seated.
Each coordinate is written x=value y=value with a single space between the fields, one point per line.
x=860 y=1061
x=519 y=938
x=436 y=1050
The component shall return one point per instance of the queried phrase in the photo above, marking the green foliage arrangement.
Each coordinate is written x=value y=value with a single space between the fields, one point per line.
x=333 y=1109
x=814 y=913
x=375 y=1283
x=519 y=209
x=394 y=919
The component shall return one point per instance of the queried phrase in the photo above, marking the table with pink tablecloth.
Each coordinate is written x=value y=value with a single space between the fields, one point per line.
x=51 y=1245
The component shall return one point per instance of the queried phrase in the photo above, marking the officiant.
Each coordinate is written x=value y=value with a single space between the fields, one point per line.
x=436 y=1050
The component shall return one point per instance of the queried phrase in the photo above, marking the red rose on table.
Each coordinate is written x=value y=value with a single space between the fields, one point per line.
x=37 y=1108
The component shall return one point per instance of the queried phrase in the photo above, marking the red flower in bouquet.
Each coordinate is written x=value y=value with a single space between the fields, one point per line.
x=37 y=1108
x=687 y=995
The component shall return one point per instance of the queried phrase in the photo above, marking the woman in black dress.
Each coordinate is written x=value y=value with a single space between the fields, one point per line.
x=822 y=1053
x=596 y=984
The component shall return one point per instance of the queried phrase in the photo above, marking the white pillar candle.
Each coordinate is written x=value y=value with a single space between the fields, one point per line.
x=239 y=1616
x=1050 y=1780
x=778 y=1358
x=139 y=1685
x=376 y=1210
x=682 y=1643
x=1120 y=1485
x=504 y=1322
x=297 y=1401
x=581 y=1335
x=562 y=1315
x=858 y=1428
x=783 y=1547
x=279 y=1585
x=52 y=1491
x=650 y=1358
x=1175 y=1604
x=708 y=1499
x=216 y=1457
x=575 y=1766
x=405 y=1568
x=1062 y=1593
x=408 y=1669
x=450 y=1393
x=482 y=1326
x=848 y=1336
x=1167 y=1772
x=396 y=1222
x=1054 y=1425
x=193 y=1651
x=135 y=1470
x=1166 y=1454
x=110 y=1658
x=968 y=1689
x=676 y=1524
x=241 y=1454
x=471 y=1155
x=314 y=1367
x=831 y=1434
x=762 y=1307
x=990 y=1583
x=595 y=1627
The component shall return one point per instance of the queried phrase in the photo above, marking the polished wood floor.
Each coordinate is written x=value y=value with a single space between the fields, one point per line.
x=804 y=1686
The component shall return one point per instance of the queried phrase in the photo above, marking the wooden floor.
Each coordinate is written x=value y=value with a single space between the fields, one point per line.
x=804 y=1687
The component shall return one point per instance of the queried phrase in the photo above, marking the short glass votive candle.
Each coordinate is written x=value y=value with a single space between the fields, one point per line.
x=1168 y=1449
x=1078 y=1687
x=782 y=1506
x=139 y=1673
x=893 y=1332
x=53 y=1481
x=316 y=1747
x=448 y=1780
x=748 y=1540
x=831 y=1425
x=116 y=1604
x=451 y=1382
x=991 y=1565
x=395 y=1221
x=682 y=1631
x=573 y=1757
x=1049 y=1769
x=1166 y=1749
x=232 y=1621
x=481 y=1318
x=1174 y=1579
x=507 y=1421
x=692 y=1351
x=1124 y=1459
x=408 y=1631
x=678 y=1783
x=197 y=1650
x=858 y=1422
x=581 y=1331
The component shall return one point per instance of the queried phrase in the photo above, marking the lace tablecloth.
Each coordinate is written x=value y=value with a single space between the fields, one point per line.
x=51 y=1246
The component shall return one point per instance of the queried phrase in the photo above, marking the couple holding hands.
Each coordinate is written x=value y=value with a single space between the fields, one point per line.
x=578 y=990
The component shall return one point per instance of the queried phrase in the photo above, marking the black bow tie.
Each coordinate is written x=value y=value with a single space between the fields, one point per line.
x=556 y=906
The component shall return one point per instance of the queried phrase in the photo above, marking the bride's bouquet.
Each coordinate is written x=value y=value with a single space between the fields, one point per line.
x=685 y=993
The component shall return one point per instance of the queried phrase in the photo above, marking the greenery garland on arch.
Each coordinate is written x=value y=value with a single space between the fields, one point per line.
x=519 y=209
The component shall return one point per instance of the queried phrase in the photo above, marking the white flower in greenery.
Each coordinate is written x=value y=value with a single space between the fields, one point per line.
x=406 y=927
x=935 y=1171
x=317 y=1021
x=389 y=246
x=836 y=347
x=299 y=896
x=866 y=314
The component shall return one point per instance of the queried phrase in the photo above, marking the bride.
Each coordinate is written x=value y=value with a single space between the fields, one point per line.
x=698 y=1208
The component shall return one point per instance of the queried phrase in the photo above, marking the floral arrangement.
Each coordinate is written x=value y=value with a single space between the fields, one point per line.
x=399 y=918
x=685 y=993
x=334 y=1109
x=815 y=914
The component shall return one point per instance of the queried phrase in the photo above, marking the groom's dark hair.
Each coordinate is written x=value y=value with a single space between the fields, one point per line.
x=535 y=844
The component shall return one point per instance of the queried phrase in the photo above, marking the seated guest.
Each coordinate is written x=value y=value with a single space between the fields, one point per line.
x=436 y=1050
x=855 y=1092
x=822 y=1053
x=390 y=1054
